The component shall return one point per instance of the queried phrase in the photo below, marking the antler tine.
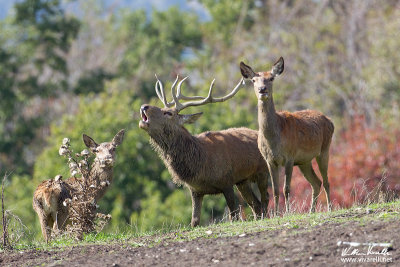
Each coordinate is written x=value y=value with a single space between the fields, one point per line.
x=209 y=98
x=161 y=93
x=178 y=88
x=230 y=95
x=180 y=96
x=175 y=96
x=210 y=90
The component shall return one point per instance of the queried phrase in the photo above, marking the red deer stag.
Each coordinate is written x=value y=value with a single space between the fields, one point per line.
x=290 y=138
x=208 y=163
x=49 y=196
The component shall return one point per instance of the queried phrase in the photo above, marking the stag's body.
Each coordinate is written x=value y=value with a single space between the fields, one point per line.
x=287 y=139
x=49 y=196
x=209 y=163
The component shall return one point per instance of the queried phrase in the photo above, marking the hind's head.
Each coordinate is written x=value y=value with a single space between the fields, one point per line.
x=105 y=152
x=262 y=81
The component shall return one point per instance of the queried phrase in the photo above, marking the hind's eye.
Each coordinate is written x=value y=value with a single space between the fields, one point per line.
x=271 y=79
x=253 y=80
x=168 y=113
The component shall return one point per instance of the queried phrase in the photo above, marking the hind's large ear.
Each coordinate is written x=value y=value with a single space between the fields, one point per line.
x=118 y=138
x=278 y=67
x=247 y=71
x=89 y=142
x=189 y=118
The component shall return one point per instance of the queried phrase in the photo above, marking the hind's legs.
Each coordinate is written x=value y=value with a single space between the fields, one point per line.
x=312 y=178
x=322 y=161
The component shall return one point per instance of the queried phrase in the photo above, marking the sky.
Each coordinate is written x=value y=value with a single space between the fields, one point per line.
x=191 y=5
x=5 y=7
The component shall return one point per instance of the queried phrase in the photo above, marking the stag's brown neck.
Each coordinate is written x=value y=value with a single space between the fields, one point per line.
x=268 y=123
x=182 y=154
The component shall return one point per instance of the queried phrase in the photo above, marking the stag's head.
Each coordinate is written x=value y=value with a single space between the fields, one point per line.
x=165 y=121
x=104 y=152
x=262 y=81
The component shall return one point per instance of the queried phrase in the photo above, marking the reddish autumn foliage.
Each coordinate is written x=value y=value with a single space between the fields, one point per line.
x=364 y=165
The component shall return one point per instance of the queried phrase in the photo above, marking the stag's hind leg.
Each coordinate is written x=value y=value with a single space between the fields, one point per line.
x=313 y=179
x=323 y=160
x=249 y=196
x=262 y=184
x=230 y=201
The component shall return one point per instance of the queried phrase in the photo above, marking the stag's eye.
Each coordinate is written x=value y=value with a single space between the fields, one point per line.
x=253 y=80
x=271 y=79
x=168 y=113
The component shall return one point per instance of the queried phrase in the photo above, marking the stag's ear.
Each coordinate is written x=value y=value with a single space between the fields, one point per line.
x=278 y=67
x=189 y=118
x=89 y=142
x=246 y=71
x=118 y=138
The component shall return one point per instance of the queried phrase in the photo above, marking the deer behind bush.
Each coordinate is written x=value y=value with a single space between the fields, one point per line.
x=49 y=199
x=211 y=162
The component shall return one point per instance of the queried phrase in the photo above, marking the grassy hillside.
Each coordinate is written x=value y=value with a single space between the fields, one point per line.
x=302 y=221
x=336 y=237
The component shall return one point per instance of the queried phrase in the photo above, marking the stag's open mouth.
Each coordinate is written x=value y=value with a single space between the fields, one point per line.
x=144 y=116
x=144 y=122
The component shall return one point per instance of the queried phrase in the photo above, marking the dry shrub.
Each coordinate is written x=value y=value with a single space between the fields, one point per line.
x=82 y=206
x=363 y=167
x=83 y=214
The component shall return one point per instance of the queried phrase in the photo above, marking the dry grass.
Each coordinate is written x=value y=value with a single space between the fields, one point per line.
x=12 y=227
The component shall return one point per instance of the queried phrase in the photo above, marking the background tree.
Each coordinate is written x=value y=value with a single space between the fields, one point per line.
x=33 y=46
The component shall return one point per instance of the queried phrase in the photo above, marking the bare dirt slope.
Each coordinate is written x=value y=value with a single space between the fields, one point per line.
x=301 y=246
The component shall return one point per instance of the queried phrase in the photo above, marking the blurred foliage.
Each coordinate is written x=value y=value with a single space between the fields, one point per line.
x=32 y=55
x=155 y=45
x=363 y=167
x=64 y=75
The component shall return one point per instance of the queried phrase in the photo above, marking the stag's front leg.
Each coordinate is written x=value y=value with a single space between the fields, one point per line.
x=230 y=201
x=197 y=200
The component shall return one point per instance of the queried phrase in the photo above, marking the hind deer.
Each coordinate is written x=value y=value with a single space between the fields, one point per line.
x=208 y=163
x=49 y=196
x=290 y=138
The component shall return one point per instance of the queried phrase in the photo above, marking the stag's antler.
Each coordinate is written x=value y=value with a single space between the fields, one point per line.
x=198 y=100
